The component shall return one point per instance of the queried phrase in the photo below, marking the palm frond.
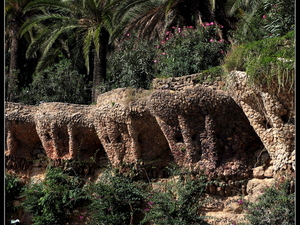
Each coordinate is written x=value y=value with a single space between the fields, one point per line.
x=87 y=42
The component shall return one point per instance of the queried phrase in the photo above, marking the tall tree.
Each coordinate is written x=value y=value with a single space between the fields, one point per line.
x=14 y=18
x=88 y=22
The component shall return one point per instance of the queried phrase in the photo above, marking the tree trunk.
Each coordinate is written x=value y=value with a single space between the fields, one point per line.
x=12 y=79
x=100 y=62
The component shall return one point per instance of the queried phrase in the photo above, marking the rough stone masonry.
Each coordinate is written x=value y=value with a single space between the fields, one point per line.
x=179 y=122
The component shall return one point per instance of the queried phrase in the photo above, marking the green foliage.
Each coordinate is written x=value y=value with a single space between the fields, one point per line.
x=135 y=62
x=53 y=201
x=270 y=18
x=275 y=206
x=177 y=202
x=116 y=199
x=57 y=83
x=188 y=50
x=268 y=62
x=13 y=189
x=131 y=64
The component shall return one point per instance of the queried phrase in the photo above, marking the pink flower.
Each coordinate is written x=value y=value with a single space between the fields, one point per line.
x=157 y=46
x=173 y=27
x=81 y=217
x=147 y=210
x=222 y=52
x=167 y=39
x=264 y=16
x=207 y=24
x=163 y=53
x=240 y=201
x=212 y=23
x=127 y=34
x=155 y=61
x=150 y=203
x=162 y=42
x=221 y=26
x=190 y=27
x=167 y=32
x=211 y=40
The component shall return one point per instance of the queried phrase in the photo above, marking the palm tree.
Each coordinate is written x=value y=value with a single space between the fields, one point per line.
x=87 y=22
x=152 y=18
x=14 y=18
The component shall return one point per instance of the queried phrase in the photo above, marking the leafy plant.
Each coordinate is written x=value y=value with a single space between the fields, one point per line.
x=189 y=50
x=177 y=202
x=131 y=64
x=276 y=205
x=53 y=200
x=13 y=189
x=116 y=199
x=266 y=19
x=57 y=83
x=269 y=63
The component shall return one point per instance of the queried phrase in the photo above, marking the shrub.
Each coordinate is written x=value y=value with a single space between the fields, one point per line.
x=188 y=50
x=177 y=202
x=271 y=18
x=183 y=51
x=13 y=189
x=53 y=201
x=268 y=62
x=57 y=83
x=131 y=64
x=116 y=199
x=275 y=206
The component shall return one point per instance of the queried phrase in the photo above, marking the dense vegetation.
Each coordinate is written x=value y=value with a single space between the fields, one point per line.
x=118 y=198
x=55 y=48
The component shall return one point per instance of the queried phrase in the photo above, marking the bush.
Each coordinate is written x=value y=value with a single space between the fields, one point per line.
x=116 y=199
x=131 y=64
x=275 y=206
x=13 y=189
x=189 y=50
x=57 y=83
x=271 y=18
x=268 y=62
x=53 y=201
x=183 y=51
x=177 y=202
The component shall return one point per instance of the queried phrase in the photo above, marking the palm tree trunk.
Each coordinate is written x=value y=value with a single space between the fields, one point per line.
x=100 y=63
x=12 y=79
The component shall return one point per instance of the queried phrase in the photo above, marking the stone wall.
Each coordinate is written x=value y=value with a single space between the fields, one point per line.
x=199 y=126
x=195 y=127
x=271 y=114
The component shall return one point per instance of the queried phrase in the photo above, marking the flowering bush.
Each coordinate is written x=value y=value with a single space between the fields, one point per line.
x=189 y=50
x=183 y=51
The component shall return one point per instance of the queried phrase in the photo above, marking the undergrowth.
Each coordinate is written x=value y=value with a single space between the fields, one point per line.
x=269 y=63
